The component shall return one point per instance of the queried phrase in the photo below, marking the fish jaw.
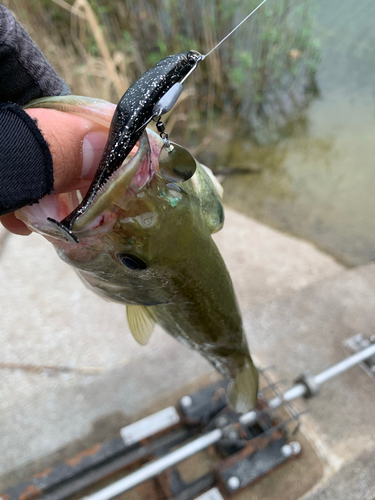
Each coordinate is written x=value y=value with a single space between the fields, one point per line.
x=135 y=171
x=58 y=207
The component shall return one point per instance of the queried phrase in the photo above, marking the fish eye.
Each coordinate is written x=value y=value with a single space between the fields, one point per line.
x=131 y=261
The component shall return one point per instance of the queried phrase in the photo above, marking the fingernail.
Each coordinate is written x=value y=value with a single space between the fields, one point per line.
x=92 y=150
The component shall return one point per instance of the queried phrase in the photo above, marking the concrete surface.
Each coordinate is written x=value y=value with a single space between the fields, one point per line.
x=298 y=306
x=305 y=329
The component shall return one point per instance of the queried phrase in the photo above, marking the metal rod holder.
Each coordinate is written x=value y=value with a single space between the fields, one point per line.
x=155 y=467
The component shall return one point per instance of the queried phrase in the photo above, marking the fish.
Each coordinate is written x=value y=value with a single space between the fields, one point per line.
x=146 y=242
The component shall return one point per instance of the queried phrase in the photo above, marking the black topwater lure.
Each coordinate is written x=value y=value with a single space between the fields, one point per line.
x=151 y=96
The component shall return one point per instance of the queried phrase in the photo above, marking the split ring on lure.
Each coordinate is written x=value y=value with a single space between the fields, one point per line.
x=140 y=103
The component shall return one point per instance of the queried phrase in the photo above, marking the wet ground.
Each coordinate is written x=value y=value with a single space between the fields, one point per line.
x=318 y=182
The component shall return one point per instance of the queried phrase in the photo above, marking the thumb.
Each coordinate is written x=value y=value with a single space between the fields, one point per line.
x=76 y=146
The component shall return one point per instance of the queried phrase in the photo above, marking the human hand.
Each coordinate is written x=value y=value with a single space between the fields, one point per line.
x=76 y=145
x=26 y=162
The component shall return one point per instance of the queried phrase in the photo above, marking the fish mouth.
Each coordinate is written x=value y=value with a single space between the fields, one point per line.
x=136 y=170
x=107 y=194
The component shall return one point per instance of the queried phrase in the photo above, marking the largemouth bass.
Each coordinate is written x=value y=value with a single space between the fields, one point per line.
x=146 y=243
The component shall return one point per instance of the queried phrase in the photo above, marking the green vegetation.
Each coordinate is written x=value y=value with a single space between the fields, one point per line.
x=260 y=77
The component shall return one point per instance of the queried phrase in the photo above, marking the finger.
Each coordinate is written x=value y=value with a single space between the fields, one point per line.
x=14 y=225
x=76 y=145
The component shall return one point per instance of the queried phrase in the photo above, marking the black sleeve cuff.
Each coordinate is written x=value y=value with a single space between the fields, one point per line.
x=25 y=73
x=26 y=173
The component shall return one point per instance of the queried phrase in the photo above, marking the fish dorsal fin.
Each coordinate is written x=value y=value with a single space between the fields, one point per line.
x=140 y=322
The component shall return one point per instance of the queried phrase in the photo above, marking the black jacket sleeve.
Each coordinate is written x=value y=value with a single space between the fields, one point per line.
x=26 y=173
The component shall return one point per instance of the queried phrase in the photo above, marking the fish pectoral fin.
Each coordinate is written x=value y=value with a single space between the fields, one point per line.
x=140 y=322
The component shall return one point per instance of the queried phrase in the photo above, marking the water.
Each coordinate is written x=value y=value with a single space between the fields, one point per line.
x=318 y=182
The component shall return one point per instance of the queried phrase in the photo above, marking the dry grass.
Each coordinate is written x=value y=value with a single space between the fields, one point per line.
x=101 y=46
x=105 y=75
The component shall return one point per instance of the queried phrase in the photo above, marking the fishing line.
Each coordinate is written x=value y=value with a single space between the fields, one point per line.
x=175 y=162
x=234 y=29
x=200 y=57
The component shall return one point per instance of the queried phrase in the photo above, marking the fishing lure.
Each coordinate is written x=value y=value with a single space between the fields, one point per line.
x=152 y=95
x=134 y=111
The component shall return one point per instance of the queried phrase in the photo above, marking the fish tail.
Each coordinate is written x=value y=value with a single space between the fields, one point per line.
x=243 y=391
